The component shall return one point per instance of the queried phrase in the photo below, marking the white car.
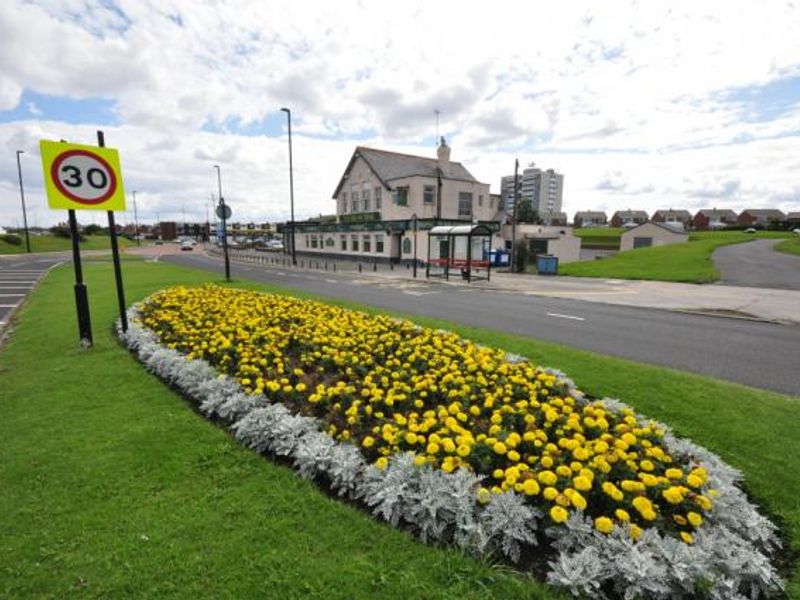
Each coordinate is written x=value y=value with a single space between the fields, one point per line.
x=796 y=231
x=750 y=230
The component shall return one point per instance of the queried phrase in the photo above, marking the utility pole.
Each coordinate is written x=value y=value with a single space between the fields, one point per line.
x=291 y=180
x=136 y=219
x=514 y=215
x=22 y=196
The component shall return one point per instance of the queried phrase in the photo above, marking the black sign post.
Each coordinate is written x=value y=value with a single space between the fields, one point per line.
x=224 y=213
x=112 y=232
x=81 y=293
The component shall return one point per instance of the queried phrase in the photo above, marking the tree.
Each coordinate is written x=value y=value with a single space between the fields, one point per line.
x=520 y=257
x=526 y=213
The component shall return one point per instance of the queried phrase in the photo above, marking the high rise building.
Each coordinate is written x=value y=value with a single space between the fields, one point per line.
x=542 y=188
x=507 y=193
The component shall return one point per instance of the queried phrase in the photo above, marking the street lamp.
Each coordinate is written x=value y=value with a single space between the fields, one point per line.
x=22 y=196
x=414 y=218
x=224 y=217
x=291 y=180
x=136 y=219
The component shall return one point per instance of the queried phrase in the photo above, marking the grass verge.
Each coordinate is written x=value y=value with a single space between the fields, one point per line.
x=689 y=262
x=791 y=246
x=113 y=487
x=51 y=243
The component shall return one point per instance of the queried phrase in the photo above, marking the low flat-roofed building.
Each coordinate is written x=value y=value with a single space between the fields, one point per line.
x=652 y=234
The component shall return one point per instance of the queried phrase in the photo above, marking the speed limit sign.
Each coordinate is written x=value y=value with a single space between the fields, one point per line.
x=82 y=177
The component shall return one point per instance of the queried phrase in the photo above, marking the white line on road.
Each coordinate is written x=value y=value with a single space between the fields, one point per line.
x=560 y=316
x=12 y=295
x=413 y=293
x=8 y=305
x=331 y=281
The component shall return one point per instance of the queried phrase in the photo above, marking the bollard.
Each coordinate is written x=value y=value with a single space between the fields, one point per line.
x=359 y=267
x=334 y=267
x=326 y=265
x=391 y=266
x=374 y=266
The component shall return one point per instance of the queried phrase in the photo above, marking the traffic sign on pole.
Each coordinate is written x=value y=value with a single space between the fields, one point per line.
x=79 y=177
x=223 y=211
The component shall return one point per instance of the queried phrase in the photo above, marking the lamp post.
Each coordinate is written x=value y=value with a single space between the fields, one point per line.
x=22 y=196
x=291 y=180
x=136 y=219
x=224 y=218
x=414 y=218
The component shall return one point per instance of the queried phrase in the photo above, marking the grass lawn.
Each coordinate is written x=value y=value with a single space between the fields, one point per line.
x=51 y=243
x=113 y=487
x=688 y=262
x=791 y=246
x=605 y=238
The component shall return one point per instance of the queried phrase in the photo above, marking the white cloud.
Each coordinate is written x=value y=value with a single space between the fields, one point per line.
x=633 y=94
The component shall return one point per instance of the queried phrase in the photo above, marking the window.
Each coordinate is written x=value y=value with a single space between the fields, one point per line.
x=642 y=242
x=480 y=200
x=379 y=242
x=367 y=240
x=343 y=242
x=365 y=196
x=313 y=240
x=401 y=196
x=354 y=206
x=344 y=202
x=465 y=204
x=428 y=194
x=377 y=196
x=491 y=202
x=308 y=242
x=406 y=245
x=354 y=243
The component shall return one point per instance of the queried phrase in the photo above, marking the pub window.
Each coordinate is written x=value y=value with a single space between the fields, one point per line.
x=367 y=239
x=465 y=204
x=401 y=196
x=379 y=243
x=377 y=196
x=343 y=241
x=428 y=194
x=354 y=243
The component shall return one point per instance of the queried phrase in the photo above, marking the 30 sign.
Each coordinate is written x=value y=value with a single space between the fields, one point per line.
x=82 y=177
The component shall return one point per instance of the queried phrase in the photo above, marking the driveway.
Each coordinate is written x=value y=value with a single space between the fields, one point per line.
x=19 y=274
x=757 y=264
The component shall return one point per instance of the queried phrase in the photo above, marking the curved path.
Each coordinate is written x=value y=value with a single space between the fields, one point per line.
x=757 y=264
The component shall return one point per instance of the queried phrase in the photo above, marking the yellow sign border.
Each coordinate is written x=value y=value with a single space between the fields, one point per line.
x=56 y=200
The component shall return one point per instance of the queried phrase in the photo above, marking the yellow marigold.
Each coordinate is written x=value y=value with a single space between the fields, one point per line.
x=550 y=493
x=433 y=448
x=578 y=501
x=463 y=450
x=634 y=531
x=559 y=514
x=484 y=495
x=368 y=442
x=673 y=495
x=530 y=487
x=604 y=524
x=499 y=448
x=563 y=470
x=694 y=519
x=693 y=481
x=547 y=477
x=673 y=473
x=582 y=483
x=419 y=460
x=687 y=537
x=680 y=520
x=702 y=502
x=622 y=515
x=513 y=456
x=382 y=462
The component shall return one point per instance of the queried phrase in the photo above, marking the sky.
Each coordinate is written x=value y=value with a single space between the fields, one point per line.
x=643 y=105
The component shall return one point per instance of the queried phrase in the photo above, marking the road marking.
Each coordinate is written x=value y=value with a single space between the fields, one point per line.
x=8 y=305
x=331 y=281
x=560 y=316
x=15 y=281
x=12 y=295
x=413 y=293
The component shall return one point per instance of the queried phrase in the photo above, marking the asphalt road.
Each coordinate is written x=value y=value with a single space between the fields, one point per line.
x=18 y=276
x=758 y=354
x=757 y=264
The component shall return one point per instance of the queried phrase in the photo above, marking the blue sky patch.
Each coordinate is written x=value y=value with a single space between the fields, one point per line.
x=762 y=103
x=95 y=111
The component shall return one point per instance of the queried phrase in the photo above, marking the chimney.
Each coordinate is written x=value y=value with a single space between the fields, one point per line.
x=443 y=153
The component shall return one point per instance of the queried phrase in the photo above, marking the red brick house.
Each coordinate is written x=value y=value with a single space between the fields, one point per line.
x=627 y=217
x=762 y=217
x=714 y=218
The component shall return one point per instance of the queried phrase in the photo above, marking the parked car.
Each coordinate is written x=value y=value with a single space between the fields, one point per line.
x=796 y=231
x=750 y=230
x=187 y=246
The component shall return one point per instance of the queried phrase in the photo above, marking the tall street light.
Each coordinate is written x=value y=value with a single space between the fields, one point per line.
x=136 y=219
x=291 y=179
x=223 y=216
x=22 y=196
x=414 y=218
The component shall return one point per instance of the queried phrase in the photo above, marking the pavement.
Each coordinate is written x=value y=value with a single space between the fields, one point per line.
x=617 y=318
x=19 y=274
x=757 y=264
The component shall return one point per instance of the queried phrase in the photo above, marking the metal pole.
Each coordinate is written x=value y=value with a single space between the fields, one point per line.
x=81 y=295
x=291 y=180
x=22 y=196
x=514 y=215
x=224 y=219
x=112 y=233
x=136 y=219
x=414 y=216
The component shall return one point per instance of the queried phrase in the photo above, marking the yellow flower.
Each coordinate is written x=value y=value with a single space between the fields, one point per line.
x=584 y=484
x=550 y=493
x=432 y=449
x=578 y=501
x=604 y=524
x=499 y=448
x=687 y=537
x=547 y=477
x=484 y=496
x=382 y=462
x=530 y=487
x=622 y=515
x=634 y=531
x=694 y=519
x=368 y=442
x=673 y=495
x=559 y=514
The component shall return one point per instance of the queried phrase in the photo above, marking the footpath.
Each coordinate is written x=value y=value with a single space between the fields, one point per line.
x=766 y=304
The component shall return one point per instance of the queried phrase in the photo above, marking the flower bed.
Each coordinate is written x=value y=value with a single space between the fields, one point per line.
x=465 y=444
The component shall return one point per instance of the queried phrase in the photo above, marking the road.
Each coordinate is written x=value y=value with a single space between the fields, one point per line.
x=757 y=354
x=757 y=264
x=19 y=274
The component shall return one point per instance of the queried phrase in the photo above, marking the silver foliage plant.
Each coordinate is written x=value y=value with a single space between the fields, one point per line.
x=729 y=559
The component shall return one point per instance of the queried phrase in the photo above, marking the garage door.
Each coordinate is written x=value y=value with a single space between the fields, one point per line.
x=642 y=242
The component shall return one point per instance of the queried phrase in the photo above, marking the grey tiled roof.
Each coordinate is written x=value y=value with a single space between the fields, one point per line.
x=393 y=165
x=590 y=214
x=640 y=214
x=673 y=213
x=719 y=213
x=765 y=212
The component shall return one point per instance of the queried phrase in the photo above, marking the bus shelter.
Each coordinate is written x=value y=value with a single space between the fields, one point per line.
x=460 y=248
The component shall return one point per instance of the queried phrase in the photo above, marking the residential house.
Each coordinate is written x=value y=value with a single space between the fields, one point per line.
x=793 y=220
x=623 y=218
x=387 y=201
x=684 y=217
x=653 y=234
x=714 y=218
x=590 y=218
x=761 y=217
